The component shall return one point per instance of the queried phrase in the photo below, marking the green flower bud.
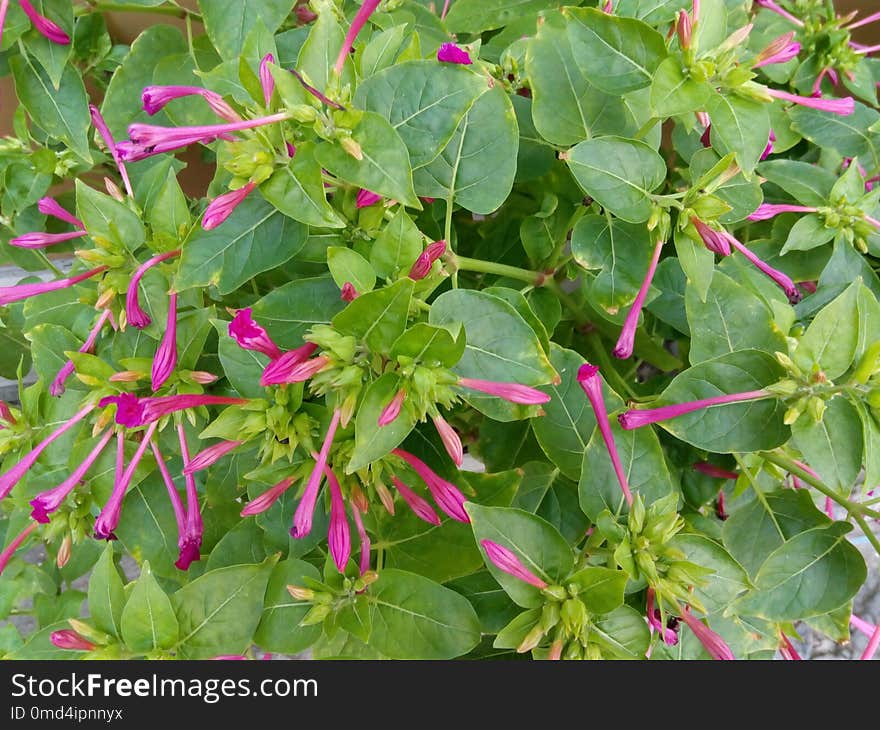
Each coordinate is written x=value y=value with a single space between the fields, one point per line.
x=816 y=408
x=549 y=616
x=574 y=616
x=315 y=615
x=303 y=113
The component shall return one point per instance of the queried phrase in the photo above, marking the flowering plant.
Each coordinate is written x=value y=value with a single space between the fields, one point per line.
x=551 y=330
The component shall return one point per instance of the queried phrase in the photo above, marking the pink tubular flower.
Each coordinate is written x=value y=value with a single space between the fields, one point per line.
x=862 y=625
x=365 y=11
x=766 y=211
x=781 y=50
x=348 y=293
x=704 y=467
x=70 y=640
x=624 y=347
x=210 y=455
x=221 y=207
x=263 y=502
x=10 y=549
x=299 y=373
x=513 y=392
x=156 y=97
x=417 y=504
x=133 y=412
x=392 y=410
x=778 y=277
x=451 y=53
x=57 y=387
x=173 y=496
x=655 y=621
x=588 y=377
x=50 y=206
x=867 y=20
x=166 y=355
x=267 y=82
x=422 y=266
x=6 y=413
x=447 y=496
x=104 y=131
x=771 y=5
x=250 y=336
x=136 y=316
x=366 y=198
x=712 y=642
x=280 y=367
x=787 y=650
x=768 y=150
x=9 y=294
x=714 y=240
x=14 y=475
x=507 y=561
x=338 y=534
x=191 y=542
x=450 y=439
x=44 y=26
x=302 y=518
x=637 y=418
x=364 y=564
x=873 y=644
x=39 y=239
x=4 y=6
x=844 y=106
x=684 y=28
x=108 y=520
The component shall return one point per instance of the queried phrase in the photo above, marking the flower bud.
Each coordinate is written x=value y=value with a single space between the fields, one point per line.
x=549 y=616
x=531 y=640
x=574 y=616
x=126 y=376
x=300 y=593
x=202 y=377
x=816 y=408
x=64 y=551
x=385 y=497
x=107 y=296
x=352 y=148
x=555 y=592
x=369 y=577
x=316 y=615
x=113 y=190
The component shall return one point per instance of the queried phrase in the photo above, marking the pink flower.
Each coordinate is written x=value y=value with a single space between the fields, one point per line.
x=714 y=240
x=9 y=294
x=873 y=644
x=364 y=565
x=513 y=392
x=191 y=542
x=655 y=621
x=422 y=266
x=108 y=520
x=302 y=518
x=365 y=11
x=450 y=439
x=624 y=347
x=451 y=53
x=685 y=29
x=166 y=355
x=712 y=642
x=787 y=650
x=136 y=316
x=250 y=336
x=104 y=131
x=50 y=206
x=39 y=239
x=778 y=277
x=222 y=206
x=156 y=97
x=10 y=549
x=44 y=26
x=279 y=369
x=266 y=80
x=365 y=198
x=299 y=373
x=14 y=475
x=57 y=387
x=507 y=561
x=781 y=50
x=588 y=377
x=843 y=107
x=348 y=293
x=210 y=455
x=133 y=412
x=338 y=534
x=766 y=211
x=263 y=502
x=862 y=625
x=637 y=418
x=768 y=150
x=447 y=496
x=6 y=413
x=392 y=410
x=173 y=496
x=771 y=5
x=864 y=21
x=70 y=640
x=417 y=504
x=704 y=467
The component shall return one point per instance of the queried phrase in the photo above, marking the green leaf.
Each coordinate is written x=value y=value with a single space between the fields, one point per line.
x=241 y=543
x=491 y=603
x=106 y=594
x=318 y=53
x=415 y=618
x=229 y=25
x=109 y=219
x=255 y=238
x=674 y=92
x=428 y=345
x=385 y=168
x=619 y=174
x=290 y=310
x=601 y=589
x=397 y=247
x=424 y=100
x=148 y=620
x=617 y=54
x=220 y=610
x=729 y=578
x=537 y=544
x=847 y=135
x=830 y=341
x=807 y=184
x=741 y=126
x=378 y=317
x=372 y=441
x=622 y=634
x=279 y=629
x=349 y=267
x=473 y=16
x=745 y=426
x=697 y=262
x=808 y=232
x=811 y=574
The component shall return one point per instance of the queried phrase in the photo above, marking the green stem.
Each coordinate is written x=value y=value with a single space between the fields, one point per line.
x=447 y=235
x=46 y=260
x=869 y=533
x=647 y=127
x=109 y=7
x=535 y=278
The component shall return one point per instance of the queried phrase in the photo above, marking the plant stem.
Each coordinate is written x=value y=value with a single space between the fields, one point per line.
x=107 y=7
x=869 y=533
x=447 y=235
x=535 y=278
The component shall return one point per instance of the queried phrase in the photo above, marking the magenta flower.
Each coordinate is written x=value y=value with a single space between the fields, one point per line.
x=366 y=198
x=57 y=387
x=507 y=561
x=768 y=150
x=422 y=266
x=451 y=53
x=302 y=518
x=6 y=413
x=50 y=206
x=173 y=496
x=39 y=239
x=392 y=410
x=70 y=640
x=365 y=11
x=862 y=625
x=14 y=475
x=156 y=97
x=44 y=26
x=10 y=549
x=266 y=80
x=787 y=650
x=779 y=278
x=704 y=467
x=447 y=496
x=10 y=294
x=771 y=5
x=766 y=211
x=873 y=644
x=263 y=502
x=136 y=316
x=364 y=564
x=222 y=206
x=625 y=342
x=4 y=6
x=781 y=50
x=250 y=336
x=655 y=621
x=843 y=107
x=417 y=504
x=715 y=241
x=588 y=377
x=298 y=373
x=112 y=147
x=277 y=370
x=685 y=29
x=338 y=534
x=450 y=439
x=348 y=293
x=513 y=392
x=210 y=455
x=712 y=642
x=166 y=355
x=133 y=412
x=637 y=418
x=191 y=542
x=108 y=520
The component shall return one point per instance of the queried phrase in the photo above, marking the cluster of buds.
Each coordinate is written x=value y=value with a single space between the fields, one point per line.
x=326 y=599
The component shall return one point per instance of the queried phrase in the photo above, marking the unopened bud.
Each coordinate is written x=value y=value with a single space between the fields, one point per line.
x=816 y=408
x=868 y=364
x=113 y=190
x=352 y=148
x=558 y=593
x=358 y=498
x=385 y=497
x=574 y=616
x=549 y=616
x=203 y=377
x=315 y=615
x=107 y=296
x=304 y=113
x=300 y=593
x=531 y=640
x=555 y=650
x=573 y=651
x=64 y=551
x=126 y=376
x=369 y=577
